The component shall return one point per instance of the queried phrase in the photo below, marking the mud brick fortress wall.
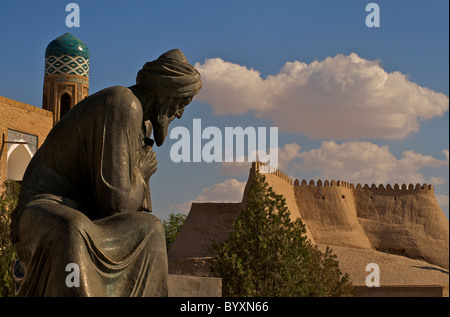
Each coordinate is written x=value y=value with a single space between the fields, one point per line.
x=17 y=122
x=401 y=219
x=401 y=226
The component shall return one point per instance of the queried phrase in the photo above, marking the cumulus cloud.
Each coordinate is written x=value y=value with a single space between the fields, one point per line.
x=437 y=180
x=286 y=155
x=365 y=162
x=341 y=97
x=230 y=190
x=443 y=200
x=446 y=154
x=353 y=161
x=236 y=168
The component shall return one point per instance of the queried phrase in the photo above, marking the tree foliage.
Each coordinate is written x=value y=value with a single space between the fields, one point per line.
x=172 y=227
x=269 y=255
x=8 y=201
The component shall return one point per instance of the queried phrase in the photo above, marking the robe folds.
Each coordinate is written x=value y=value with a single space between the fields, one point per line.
x=79 y=203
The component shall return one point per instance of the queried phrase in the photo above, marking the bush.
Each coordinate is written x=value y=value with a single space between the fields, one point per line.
x=8 y=201
x=172 y=227
x=269 y=255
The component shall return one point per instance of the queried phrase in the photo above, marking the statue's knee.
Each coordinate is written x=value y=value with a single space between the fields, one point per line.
x=155 y=225
x=159 y=227
x=70 y=227
x=151 y=225
x=46 y=221
x=72 y=224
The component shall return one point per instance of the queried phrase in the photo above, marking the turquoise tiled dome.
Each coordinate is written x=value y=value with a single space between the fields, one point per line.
x=67 y=55
x=67 y=44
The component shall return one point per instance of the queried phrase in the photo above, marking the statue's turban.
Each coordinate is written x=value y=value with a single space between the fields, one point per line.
x=170 y=75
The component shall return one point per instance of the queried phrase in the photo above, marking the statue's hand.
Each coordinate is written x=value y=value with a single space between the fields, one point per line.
x=147 y=163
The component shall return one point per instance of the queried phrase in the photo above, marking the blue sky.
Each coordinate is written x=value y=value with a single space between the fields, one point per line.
x=365 y=105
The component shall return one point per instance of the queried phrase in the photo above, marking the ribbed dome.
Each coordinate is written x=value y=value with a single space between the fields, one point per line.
x=67 y=44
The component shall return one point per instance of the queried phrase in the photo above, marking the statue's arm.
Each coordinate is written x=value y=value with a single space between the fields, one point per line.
x=120 y=185
x=147 y=166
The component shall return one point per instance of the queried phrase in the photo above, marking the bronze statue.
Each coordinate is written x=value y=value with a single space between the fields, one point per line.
x=83 y=189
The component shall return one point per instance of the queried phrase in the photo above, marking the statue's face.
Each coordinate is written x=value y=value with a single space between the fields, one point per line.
x=164 y=111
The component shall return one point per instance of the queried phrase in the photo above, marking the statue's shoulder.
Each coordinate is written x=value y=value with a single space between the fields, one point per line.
x=119 y=93
x=121 y=98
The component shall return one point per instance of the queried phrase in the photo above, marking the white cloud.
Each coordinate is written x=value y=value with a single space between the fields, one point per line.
x=230 y=190
x=365 y=162
x=236 y=168
x=286 y=155
x=182 y=208
x=443 y=200
x=231 y=88
x=354 y=161
x=446 y=154
x=341 y=97
x=437 y=180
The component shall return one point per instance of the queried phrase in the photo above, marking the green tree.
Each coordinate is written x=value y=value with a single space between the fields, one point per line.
x=8 y=201
x=172 y=227
x=269 y=255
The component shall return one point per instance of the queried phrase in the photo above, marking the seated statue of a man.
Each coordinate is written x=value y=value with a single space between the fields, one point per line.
x=84 y=192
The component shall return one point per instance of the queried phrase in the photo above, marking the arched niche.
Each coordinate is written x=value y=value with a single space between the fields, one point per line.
x=18 y=158
x=65 y=102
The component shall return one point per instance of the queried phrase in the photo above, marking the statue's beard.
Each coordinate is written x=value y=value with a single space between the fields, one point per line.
x=160 y=129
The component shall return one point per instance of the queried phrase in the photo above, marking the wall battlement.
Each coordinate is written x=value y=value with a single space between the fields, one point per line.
x=380 y=188
x=267 y=169
x=362 y=221
x=404 y=218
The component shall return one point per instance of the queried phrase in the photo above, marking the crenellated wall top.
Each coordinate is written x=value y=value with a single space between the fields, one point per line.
x=267 y=169
x=380 y=187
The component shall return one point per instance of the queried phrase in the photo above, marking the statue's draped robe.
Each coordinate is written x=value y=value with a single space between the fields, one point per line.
x=78 y=204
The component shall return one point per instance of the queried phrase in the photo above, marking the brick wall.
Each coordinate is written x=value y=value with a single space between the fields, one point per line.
x=18 y=116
